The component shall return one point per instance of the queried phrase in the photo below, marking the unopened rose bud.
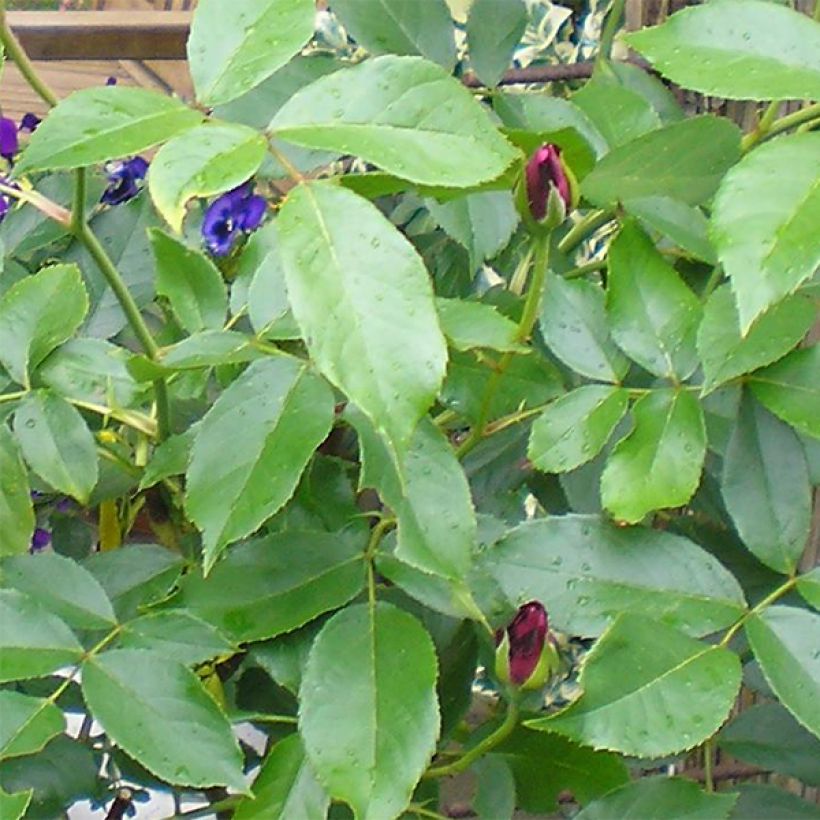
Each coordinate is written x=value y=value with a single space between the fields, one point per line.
x=548 y=191
x=525 y=655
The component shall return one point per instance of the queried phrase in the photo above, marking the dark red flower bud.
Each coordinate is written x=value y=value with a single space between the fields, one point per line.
x=544 y=172
x=526 y=655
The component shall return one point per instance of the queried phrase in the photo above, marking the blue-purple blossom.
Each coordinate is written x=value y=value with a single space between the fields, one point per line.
x=29 y=122
x=40 y=540
x=5 y=201
x=124 y=178
x=8 y=138
x=229 y=216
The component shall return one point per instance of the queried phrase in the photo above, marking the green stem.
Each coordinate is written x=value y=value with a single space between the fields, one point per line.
x=762 y=128
x=707 y=766
x=816 y=14
x=78 y=204
x=611 y=26
x=211 y=809
x=19 y=57
x=784 y=123
x=759 y=607
x=421 y=811
x=583 y=270
x=18 y=394
x=490 y=742
x=584 y=228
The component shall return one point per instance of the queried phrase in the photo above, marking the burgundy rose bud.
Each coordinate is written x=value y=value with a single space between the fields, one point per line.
x=548 y=189
x=525 y=655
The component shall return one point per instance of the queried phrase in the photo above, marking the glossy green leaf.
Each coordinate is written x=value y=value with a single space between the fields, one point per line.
x=684 y=161
x=808 y=586
x=177 y=635
x=14 y=806
x=37 y=314
x=275 y=584
x=469 y=325
x=738 y=49
x=620 y=114
x=649 y=691
x=767 y=735
x=160 y=714
x=725 y=353
x=768 y=254
x=659 y=463
x=660 y=798
x=285 y=786
x=207 y=160
x=16 y=512
x=482 y=223
x=61 y=585
x=790 y=388
x=653 y=315
x=546 y=764
x=363 y=299
x=684 y=224
x=402 y=114
x=170 y=458
x=284 y=657
x=493 y=31
x=234 y=47
x=370 y=747
x=208 y=349
x=57 y=444
x=191 y=282
x=574 y=428
x=649 y=87
x=573 y=321
x=495 y=793
x=97 y=124
x=759 y=802
x=766 y=489
x=33 y=641
x=785 y=643
x=284 y=413
x=27 y=724
x=654 y=575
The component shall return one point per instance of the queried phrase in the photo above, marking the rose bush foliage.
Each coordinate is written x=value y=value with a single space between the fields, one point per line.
x=310 y=389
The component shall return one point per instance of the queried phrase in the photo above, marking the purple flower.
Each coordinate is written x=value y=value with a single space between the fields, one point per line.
x=230 y=215
x=124 y=177
x=545 y=172
x=8 y=138
x=5 y=202
x=111 y=81
x=29 y=122
x=40 y=540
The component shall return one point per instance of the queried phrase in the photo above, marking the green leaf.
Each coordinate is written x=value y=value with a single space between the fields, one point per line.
x=784 y=640
x=649 y=691
x=650 y=88
x=759 y=802
x=62 y=586
x=191 y=282
x=233 y=48
x=402 y=114
x=659 y=798
x=160 y=714
x=493 y=31
x=284 y=412
x=684 y=161
x=275 y=584
x=482 y=223
x=285 y=656
x=57 y=444
x=659 y=463
x=620 y=114
x=16 y=512
x=544 y=765
x=766 y=489
x=768 y=254
x=738 y=49
x=790 y=388
x=574 y=428
x=203 y=161
x=28 y=724
x=766 y=735
x=370 y=747
x=33 y=641
x=135 y=577
x=206 y=349
x=654 y=575
x=363 y=299
x=14 y=806
x=469 y=324
x=653 y=315
x=399 y=27
x=725 y=353
x=808 y=586
x=285 y=787
x=97 y=124
x=684 y=224
x=177 y=635
x=37 y=314
x=495 y=794
x=573 y=321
